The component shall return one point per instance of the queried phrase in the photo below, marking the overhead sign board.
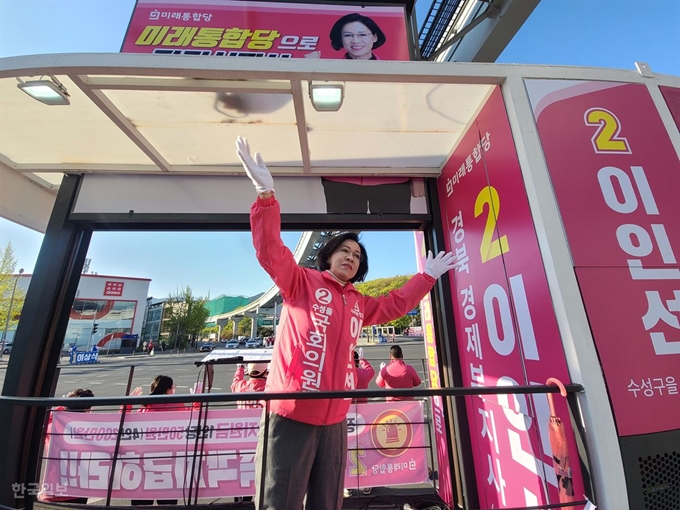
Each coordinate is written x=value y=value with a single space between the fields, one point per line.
x=228 y=28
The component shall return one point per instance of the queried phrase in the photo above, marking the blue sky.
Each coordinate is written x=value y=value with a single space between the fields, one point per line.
x=598 y=33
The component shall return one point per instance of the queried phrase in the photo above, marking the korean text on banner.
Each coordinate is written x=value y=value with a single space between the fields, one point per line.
x=159 y=451
x=229 y=28
x=616 y=177
x=505 y=322
x=438 y=415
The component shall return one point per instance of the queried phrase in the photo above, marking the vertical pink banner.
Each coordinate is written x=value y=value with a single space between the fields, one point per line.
x=445 y=487
x=616 y=176
x=505 y=323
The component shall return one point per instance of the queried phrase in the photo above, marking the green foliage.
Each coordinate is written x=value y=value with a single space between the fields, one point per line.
x=8 y=266
x=186 y=316
x=381 y=287
x=265 y=331
x=244 y=326
x=227 y=331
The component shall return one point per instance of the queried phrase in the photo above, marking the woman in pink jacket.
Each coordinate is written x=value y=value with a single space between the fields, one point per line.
x=321 y=320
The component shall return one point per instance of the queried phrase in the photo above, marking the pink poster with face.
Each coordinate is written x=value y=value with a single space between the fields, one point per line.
x=228 y=28
x=616 y=176
x=506 y=329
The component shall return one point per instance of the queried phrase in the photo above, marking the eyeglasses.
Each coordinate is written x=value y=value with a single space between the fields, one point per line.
x=360 y=35
x=356 y=255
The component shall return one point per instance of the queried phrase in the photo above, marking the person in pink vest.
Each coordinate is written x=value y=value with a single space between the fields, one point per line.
x=365 y=373
x=321 y=320
x=397 y=374
x=257 y=380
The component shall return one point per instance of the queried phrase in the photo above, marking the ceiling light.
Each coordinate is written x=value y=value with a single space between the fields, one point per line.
x=50 y=92
x=326 y=97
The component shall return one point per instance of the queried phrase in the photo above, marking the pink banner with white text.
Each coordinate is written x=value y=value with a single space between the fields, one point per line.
x=505 y=323
x=616 y=176
x=160 y=451
x=228 y=28
x=438 y=415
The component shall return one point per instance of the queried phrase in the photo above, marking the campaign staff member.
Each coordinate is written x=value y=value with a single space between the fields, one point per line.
x=321 y=320
x=397 y=374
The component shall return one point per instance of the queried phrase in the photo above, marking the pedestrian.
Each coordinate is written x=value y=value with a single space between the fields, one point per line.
x=144 y=346
x=257 y=380
x=44 y=495
x=397 y=374
x=321 y=320
x=151 y=349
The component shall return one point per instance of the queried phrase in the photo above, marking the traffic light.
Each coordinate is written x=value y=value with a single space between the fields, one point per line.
x=95 y=326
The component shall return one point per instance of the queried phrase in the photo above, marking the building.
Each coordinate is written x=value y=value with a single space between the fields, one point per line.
x=153 y=320
x=104 y=309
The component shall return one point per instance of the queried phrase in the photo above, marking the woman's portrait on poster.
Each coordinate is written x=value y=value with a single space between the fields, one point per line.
x=358 y=35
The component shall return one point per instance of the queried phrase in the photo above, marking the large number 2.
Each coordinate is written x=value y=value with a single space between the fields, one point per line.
x=490 y=249
x=606 y=139
x=358 y=468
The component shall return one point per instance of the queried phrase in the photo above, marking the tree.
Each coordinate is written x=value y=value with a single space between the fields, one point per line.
x=227 y=331
x=186 y=317
x=244 y=326
x=8 y=266
x=381 y=287
x=210 y=330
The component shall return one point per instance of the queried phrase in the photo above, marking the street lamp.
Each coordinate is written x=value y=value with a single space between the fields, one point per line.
x=9 y=312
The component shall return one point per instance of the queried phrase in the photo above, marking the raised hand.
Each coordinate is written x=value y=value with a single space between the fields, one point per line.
x=255 y=168
x=382 y=365
x=361 y=353
x=136 y=392
x=440 y=264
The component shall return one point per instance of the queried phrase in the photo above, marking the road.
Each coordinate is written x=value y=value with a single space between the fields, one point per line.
x=109 y=378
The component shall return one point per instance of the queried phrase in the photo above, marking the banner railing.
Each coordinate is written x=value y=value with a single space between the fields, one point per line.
x=201 y=446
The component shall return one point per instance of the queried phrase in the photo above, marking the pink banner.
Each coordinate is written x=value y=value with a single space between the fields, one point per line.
x=445 y=487
x=386 y=445
x=227 y=28
x=159 y=450
x=616 y=176
x=505 y=324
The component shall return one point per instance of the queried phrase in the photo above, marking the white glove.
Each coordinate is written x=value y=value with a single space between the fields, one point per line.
x=255 y=168
x=382 y=365
x=361 y=353
x=439 y=265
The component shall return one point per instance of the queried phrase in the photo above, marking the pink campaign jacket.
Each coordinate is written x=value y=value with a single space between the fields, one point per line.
x=320 y=323
x=242 y=385
x=398 y=375
x=365 y=373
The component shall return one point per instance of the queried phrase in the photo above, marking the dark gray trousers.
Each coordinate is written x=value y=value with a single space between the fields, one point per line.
x=301 y=460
